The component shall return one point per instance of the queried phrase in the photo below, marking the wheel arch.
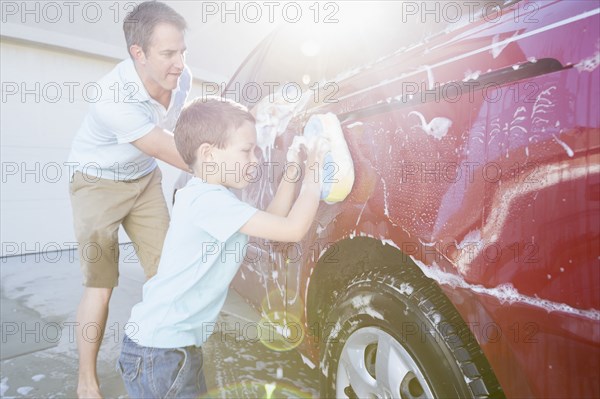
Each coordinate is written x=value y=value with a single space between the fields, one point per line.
x=350 y=257
x=340 y=263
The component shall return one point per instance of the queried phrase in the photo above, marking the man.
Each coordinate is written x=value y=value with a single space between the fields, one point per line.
x=116 y=180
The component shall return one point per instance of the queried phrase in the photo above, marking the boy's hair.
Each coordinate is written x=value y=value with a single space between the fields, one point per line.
x=209 y=120
x=139 y=24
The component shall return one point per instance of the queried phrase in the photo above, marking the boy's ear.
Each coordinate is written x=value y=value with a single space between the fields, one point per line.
x=204 y=152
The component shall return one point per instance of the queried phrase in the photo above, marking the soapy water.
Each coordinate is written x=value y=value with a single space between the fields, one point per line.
x=589 y=64
x=362 y=303
x=505 y=293
x=294 y=150
x=471 y=75
x=438 y=127
x=564 y=145
x=3 y=386
x=273 y=115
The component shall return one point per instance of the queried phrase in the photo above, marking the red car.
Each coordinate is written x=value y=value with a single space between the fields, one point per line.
x=465 y=262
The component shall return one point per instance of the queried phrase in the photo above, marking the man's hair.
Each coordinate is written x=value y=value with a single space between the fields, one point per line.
x=139 y=24
x=209 y=120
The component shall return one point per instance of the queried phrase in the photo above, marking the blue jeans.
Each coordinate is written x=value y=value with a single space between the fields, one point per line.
x=161 y=372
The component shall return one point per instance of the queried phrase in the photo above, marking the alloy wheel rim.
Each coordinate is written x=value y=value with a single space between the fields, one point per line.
x=373 y=364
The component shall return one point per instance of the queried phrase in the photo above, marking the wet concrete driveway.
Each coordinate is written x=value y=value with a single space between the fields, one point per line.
x=40 y=294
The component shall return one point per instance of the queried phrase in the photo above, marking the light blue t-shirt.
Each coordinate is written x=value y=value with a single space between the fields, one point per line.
x=123 y=113
x=201 y=254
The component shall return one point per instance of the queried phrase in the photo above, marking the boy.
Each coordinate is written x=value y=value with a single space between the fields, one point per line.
x=161 y=354
x=116 y=180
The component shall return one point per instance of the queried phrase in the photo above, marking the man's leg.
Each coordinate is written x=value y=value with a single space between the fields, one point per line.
x=148 y=221
x=91 y=322
x=99 y=207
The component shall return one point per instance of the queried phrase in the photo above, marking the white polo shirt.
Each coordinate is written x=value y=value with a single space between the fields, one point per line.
x=124 y=113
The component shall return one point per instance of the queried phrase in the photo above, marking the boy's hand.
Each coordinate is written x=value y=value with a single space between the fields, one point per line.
x=293 y=154
x=317 y=149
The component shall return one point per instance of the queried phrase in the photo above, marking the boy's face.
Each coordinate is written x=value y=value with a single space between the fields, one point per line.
x=163 y=62
x=235 y=161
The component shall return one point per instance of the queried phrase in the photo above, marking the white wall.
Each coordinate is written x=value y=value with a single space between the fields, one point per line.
x=36 y=131
x=45 y=43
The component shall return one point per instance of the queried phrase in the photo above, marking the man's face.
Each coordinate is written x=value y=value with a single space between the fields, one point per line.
x=164 y=58
x=237 y=162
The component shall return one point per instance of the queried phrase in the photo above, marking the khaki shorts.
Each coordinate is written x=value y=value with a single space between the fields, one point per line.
x=100 y=206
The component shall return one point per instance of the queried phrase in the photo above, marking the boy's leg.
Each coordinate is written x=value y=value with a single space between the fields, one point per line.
x=133 y=366
x=177 y=372
x=99 y=206
x=194 y=384
x=161 y=372
x=148 y=221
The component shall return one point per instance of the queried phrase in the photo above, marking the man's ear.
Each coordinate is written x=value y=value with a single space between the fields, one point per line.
x=137 y=53
x=204 y=153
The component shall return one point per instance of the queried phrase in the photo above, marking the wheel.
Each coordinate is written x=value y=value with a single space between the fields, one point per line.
x=399 y=337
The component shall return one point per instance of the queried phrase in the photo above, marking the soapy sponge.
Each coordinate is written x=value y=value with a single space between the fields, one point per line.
x=338 y=168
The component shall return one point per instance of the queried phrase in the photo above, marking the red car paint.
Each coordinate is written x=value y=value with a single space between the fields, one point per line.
x=502 y=209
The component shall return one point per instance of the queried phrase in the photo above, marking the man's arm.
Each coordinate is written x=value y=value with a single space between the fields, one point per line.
x=160 y=144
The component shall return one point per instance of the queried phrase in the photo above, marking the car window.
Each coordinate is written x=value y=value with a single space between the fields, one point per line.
x=312 y=55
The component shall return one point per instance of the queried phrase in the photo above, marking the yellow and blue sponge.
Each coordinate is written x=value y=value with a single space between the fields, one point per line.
x=338 y=168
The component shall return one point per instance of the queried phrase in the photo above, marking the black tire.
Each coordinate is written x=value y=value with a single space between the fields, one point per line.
x=409 y=314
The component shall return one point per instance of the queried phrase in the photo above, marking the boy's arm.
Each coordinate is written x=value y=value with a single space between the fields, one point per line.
x=284 y=197
x=295 y=225
x=290 y=228
x=286 y=191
